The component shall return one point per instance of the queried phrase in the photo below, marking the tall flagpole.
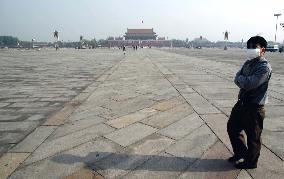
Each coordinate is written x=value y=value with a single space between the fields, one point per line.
x=276 y=15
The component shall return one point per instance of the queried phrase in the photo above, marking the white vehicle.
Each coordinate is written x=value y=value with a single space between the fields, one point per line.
x=272 y=48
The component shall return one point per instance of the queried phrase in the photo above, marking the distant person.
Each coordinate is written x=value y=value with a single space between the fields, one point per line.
x=123 y=49
x=248 y=113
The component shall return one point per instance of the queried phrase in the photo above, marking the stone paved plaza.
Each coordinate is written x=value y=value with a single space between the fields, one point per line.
x=153 y=113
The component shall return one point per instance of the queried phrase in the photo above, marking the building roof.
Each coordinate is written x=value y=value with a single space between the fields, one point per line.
x=140 y=31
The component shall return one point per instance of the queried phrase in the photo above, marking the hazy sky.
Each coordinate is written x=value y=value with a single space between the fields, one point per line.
x=179 y=19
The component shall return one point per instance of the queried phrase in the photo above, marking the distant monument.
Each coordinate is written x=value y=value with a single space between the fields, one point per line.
x=56 y=39
x=140 y=34
x=140 y=38
x=81 y=42
x=226 y=38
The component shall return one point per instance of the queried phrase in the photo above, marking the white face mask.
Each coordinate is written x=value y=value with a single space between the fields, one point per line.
x=253 y=53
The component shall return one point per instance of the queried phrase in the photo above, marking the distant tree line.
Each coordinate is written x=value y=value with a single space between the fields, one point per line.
x=8 y=41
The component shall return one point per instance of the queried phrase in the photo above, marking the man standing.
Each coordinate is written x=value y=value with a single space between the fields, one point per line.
x=248 y=113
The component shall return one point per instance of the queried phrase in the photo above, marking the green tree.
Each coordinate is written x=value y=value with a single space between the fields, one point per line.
x=8 y=41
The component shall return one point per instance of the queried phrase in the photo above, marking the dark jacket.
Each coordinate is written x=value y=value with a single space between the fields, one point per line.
x=253 y=81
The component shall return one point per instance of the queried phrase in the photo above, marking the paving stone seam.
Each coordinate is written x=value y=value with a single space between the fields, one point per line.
x=205 y=121
x=165 y=125
x=278 y=156
x=92 y=125
x=62 y=151
x=125 y=148
x=134 y=169
x=246 y=172
x=281 y=99
x=148 y=126
x=118 y=116
x=120 y=175
x=72 y=101
x=197 y=113
x=106 y=122
x=176 y=140
x=198 y=159
x=183 y=102
x=20 y=163
x=222 y=112
x=159 y=112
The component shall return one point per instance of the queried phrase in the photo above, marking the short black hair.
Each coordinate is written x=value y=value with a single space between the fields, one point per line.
x=257 y=40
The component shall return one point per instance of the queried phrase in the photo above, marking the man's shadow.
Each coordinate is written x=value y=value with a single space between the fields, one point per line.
x=123 y=161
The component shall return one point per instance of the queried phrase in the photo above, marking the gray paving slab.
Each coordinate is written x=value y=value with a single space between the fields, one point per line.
x=4 y=104
x=164 y=105
x=183 y=88
x=244 y=175
x=275 y=124
x=121 y=163
x=34 y=84
x=114 y=86
x=64 y=164
x=11 y=137
x=212 y=164
x=274 y=141
x=150 y=145
x=123 y=108
x=199 y=104
x=9 y=162
x=131 y=134
x=269 y=166
x=131 y=118
x=5 y=147
x=7 y=118
x=33 y=140
x=73 y=126
x=192 y=147
x=182 y=127
x=17 y=126
x=163 y=119
x=160 y=166
x=223 y=103
x=51 y=147
x=35 y=117
x=218 y=123
x=274 y=111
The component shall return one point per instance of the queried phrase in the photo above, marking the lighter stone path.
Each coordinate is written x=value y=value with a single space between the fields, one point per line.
x=153 y=115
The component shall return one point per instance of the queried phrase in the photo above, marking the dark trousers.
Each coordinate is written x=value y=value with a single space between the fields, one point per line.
x=247 y=118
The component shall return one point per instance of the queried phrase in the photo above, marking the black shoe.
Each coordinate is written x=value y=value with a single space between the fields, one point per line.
x=234 y=158
x=245 y=165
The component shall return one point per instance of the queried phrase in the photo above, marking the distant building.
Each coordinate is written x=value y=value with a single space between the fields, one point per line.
x=118 y=38
x=140 y=34
x=139 y=37
x=161 y=38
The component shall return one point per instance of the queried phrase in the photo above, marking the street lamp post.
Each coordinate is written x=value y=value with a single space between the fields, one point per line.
x=276 y=15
